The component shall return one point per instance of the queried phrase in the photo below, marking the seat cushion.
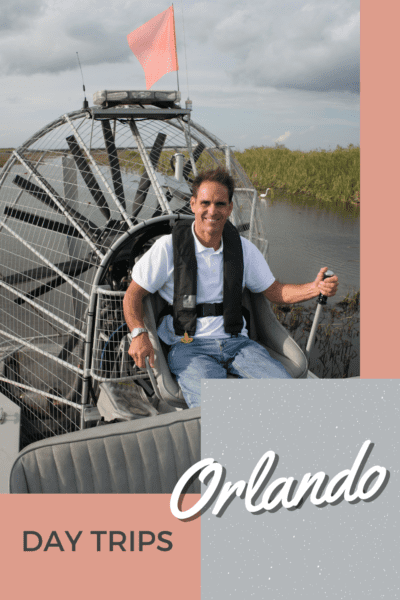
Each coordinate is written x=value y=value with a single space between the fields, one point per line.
x=136 y=457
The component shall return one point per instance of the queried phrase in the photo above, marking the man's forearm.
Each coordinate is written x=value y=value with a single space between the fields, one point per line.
x=141 y=346
x=133 y=306
x=288 y=293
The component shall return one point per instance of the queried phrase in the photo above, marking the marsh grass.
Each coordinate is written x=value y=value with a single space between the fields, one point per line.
x=337 y=343
x=130 y=161
x=4 y=156
x=328 y=176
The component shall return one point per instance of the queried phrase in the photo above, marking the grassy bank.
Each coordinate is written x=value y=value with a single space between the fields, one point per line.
x=336 y=353
x=327 y=176
x=4 y=156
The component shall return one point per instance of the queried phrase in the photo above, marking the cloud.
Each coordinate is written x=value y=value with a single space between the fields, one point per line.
x=16 y=15
x=255 y=69
x=290 y=44
x=311 y=46
x=47 y=38
x=282 y=137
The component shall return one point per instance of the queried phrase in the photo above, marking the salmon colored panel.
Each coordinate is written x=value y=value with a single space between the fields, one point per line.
x=65 y=574
x=380 y=196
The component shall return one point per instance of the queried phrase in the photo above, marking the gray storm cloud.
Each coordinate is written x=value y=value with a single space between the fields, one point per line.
x=17 y=16
x=266 y=43
x=306 y=46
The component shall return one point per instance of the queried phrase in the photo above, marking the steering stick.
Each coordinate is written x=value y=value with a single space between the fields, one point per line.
x=322 y=300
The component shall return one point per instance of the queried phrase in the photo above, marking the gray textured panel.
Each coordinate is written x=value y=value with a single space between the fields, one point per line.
x=144 y=456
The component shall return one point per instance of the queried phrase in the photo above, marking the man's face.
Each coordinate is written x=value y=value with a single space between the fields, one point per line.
x=211 y=208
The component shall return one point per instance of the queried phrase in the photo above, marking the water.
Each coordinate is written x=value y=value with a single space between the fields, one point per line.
x=304 y=238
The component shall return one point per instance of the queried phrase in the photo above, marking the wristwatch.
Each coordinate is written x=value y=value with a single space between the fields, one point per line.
x=137 y=331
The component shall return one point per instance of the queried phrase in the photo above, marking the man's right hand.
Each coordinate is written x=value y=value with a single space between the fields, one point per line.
x=140 y=348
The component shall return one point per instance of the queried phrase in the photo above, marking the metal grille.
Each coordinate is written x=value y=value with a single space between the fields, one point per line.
x=67 y=198
x=110 y=360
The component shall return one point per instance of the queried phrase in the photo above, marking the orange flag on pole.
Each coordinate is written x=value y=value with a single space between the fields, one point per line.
x=154 y=45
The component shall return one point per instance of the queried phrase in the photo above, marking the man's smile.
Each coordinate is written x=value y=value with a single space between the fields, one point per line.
x=211 y=209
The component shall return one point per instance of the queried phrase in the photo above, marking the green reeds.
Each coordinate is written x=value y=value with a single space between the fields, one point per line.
x=336 y=351
x=329 y=176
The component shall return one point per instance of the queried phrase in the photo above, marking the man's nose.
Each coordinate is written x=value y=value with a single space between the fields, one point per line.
x=212 y=209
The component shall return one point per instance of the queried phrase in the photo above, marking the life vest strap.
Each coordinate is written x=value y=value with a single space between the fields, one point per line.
x=206 y=310
x=202 y=310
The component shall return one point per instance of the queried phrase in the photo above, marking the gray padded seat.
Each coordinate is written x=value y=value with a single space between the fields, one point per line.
x=168 y=388
x=136 y=457
x=266 y=330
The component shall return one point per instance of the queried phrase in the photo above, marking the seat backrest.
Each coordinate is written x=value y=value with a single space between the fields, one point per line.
x=136 y=457
x=264 y=328
x=168 y=388
x=267 y=331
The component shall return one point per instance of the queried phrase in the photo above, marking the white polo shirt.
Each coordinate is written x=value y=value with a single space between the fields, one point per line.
x=155 y=272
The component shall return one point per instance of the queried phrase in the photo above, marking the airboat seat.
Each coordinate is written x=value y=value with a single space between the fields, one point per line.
x=264 y=328
x=168 y=389
x=145 y=456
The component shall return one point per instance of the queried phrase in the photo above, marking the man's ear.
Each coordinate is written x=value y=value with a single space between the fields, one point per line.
x=192 y=202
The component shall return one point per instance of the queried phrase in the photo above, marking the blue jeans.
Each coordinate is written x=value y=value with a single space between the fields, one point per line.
x=206 y=358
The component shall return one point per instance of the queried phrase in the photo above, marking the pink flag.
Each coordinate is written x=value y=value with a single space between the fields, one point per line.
x=154 y=45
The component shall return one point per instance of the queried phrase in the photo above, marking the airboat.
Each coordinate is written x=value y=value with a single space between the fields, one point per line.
x=80 y=202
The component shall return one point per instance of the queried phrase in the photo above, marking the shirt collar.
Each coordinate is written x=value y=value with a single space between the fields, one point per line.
x=199 y=246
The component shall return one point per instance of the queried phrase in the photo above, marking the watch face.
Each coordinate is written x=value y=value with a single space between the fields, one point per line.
x=138 y=331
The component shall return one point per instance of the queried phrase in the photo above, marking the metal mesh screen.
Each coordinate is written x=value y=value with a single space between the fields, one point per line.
x=66 y=197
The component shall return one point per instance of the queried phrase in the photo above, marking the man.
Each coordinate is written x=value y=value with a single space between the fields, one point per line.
x=201 y=270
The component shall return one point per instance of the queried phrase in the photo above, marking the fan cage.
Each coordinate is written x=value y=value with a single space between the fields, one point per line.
x=68 y=196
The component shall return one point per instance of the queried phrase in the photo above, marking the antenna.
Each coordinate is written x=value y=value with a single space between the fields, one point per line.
x=188 y=101
x=85 y=102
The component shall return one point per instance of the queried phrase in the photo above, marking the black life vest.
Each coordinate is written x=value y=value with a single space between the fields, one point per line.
x=185 y=279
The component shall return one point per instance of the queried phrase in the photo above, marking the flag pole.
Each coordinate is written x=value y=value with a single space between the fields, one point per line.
x=176 y=52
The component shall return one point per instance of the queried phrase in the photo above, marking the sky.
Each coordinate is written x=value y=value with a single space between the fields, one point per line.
x=258 y=73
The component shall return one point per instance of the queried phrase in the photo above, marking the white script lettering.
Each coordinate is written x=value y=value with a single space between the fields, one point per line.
x=346 y=485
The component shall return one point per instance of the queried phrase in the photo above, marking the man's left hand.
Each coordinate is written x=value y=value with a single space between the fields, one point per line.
x=327 y=287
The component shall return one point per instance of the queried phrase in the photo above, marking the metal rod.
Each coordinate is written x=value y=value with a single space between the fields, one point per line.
x=37 y=273
x=99 y=173
x=87 y=356
x=47 y=262
x=35 y=191
x=42 y=352
x=150 y=169
x=322 y=300
x=7 y=167
x=145 y=182
x=313 y=330
x=192 y=159
x=41 y=290
x=40 y=308
x=67 y=211
x=252 y=215
x=46 y=394
x=91 y=136
x=228 y=159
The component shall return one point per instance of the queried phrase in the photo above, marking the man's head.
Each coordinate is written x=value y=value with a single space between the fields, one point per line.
x=220 y=176
x=212 y=205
